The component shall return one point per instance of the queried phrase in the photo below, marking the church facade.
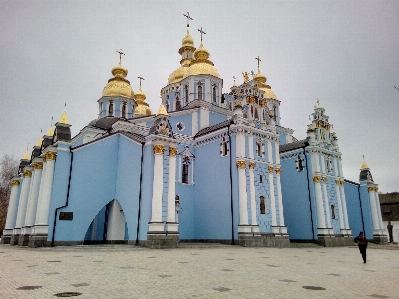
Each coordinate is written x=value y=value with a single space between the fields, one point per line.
x=207 y=167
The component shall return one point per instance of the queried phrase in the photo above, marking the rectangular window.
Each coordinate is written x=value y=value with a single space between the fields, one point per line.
x=262 y=205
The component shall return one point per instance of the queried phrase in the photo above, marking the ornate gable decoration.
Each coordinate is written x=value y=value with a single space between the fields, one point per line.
x=162 y=127
x=186 y=153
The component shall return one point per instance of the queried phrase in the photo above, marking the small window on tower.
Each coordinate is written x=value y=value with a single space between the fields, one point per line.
x=329 y=164
x=124 y=110
x=299 y=163
x=178 y=105
x=111 y=109
x=333 y=215
x=185 y=94
x=199 y=91
x=167 y=106
x=259 y=148
x=262 y=205
x=214 y=93
x=186 y=163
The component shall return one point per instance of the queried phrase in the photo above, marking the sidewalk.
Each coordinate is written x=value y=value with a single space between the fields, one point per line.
x=124 y=271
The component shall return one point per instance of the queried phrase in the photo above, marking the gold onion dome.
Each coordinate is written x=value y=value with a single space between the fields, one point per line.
x=118 y=86
x=142 y=107
x=261 y=79
x=187 y=41
x=201 y=65
x=364 y=166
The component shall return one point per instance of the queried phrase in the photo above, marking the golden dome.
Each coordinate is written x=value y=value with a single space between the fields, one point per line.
x=50 y=132
x=26 y=156
x=118 y=86
x=39 y=142
x=269 y=93
x=364 y=166
x=187 y=41
x=201 y=65
x=177 y=75
x=142 y=107
x=64 y=119
x=260 y=78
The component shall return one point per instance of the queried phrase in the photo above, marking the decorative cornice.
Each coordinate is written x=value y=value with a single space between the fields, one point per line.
x=270 y=169
x=316 y=179
x=159 y=149
x=241 y=164
x=27 y=173
x=15 y=183
x=251 y=165
x=337 y=182
x=370 y=189
x=278 y=171
x=172 y=151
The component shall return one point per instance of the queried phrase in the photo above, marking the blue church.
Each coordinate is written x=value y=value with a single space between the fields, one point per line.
x=207 y=167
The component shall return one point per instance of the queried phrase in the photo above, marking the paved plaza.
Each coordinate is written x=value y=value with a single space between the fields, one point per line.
x=210 y=271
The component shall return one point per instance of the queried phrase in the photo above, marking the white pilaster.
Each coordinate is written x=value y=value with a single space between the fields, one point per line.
x=272 y=200
x=41 y=225
x=254 y=223
x=376 y=224
x=23 y=200
x=326 y=203
x=156 y=223
x=171 y=219
x=340 y=210
x=279 y=198
x=33 y=197
x=377 y=200
x=319 y=206
x=12 y=207
x=242 y=198
x=25 y=230
x=250 y=147
x=269 y=151
x=344 y=206
x=194 y=123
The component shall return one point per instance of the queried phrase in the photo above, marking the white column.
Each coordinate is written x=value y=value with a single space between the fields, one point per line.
x=376 y=226
x=319 y=205
x=326 y=203
x=33 y=197
x=255 y=227
x=156 y=224
x=12 y=208
x=23 y=200
x=280 y=199
x=272 y=200
x=116 y=222
x=340 y=211
x=240 y=145
x=171 y=219
x=344 y=206
x=39 y=201
x=41 y=225
x=242 y=197
x=269 y=152
x=379 y=209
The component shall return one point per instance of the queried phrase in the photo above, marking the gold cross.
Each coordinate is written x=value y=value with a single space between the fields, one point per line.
x=188 y=18
x=258 y=59
x=141 y=78
x=202 y=32
x=120 y=55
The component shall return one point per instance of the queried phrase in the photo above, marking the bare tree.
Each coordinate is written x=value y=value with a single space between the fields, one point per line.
x=8 y=169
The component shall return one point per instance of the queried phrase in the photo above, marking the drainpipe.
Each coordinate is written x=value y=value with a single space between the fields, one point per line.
x=67 y=199
x=361 y=209
x=141 y=187
x=231 y=188
x=310 y=202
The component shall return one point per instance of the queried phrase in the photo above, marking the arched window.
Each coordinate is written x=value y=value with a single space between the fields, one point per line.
x=262 y=205
x=275 y=112
x=185 y=173
x=185 y=94
x=299 y=163
x=214 y=93
x=178 y=104
x=259 y=148
x=333 y=215
x=111 y=109
x=256 y=114
x=124 y=110
x=224 y=147
x=199 y=91
x=261 y=178
x=329 y=164
x=230 y=106
x=167 y=106
x=252 y=111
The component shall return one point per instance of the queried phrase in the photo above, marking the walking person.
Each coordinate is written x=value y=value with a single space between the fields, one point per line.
x=362 y=243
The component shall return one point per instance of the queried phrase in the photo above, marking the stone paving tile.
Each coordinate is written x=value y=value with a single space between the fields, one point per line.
x=123 y=271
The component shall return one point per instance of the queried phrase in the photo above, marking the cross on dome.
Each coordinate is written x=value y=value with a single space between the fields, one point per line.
x=141 y=78
x=120 y=55
x=258 y=59
x=202 y=32
x=188 y=18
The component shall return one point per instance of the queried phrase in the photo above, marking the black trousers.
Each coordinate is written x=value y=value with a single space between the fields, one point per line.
x=362 y=250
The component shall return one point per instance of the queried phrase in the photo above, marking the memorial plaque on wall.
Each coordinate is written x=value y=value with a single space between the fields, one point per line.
x=66 y=216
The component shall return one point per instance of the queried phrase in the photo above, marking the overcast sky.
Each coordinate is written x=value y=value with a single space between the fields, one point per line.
x=344 y=53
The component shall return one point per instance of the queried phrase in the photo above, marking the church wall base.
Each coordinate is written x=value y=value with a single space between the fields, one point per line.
x=5 y=239
x=263 y=240
x=14 y=240
x=38 y=241
x=161 y=241
x=380 y=239
x=23 y=240
x=335 y=240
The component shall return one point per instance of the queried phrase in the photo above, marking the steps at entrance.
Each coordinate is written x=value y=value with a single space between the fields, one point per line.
x=202 y=245
x=304 y=245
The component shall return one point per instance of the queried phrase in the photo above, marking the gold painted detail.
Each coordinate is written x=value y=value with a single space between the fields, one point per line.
x=278 y=170
x=376 y=189
x=241 y=164
x=262 y=103
x=238 y=104
x=328 y=127
x=370 y=189
x=26 y=156
x=14 y=183
x=172 y=151
x=39 y=165
x=319 y=124
x=337 y=182
x=251 y=165
x=64 y=119
x=324 y=179
x=27 y=173
x=50 y=156
x=270 y=169
x=159 y=149
x=316 y=179
x=342 y=183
